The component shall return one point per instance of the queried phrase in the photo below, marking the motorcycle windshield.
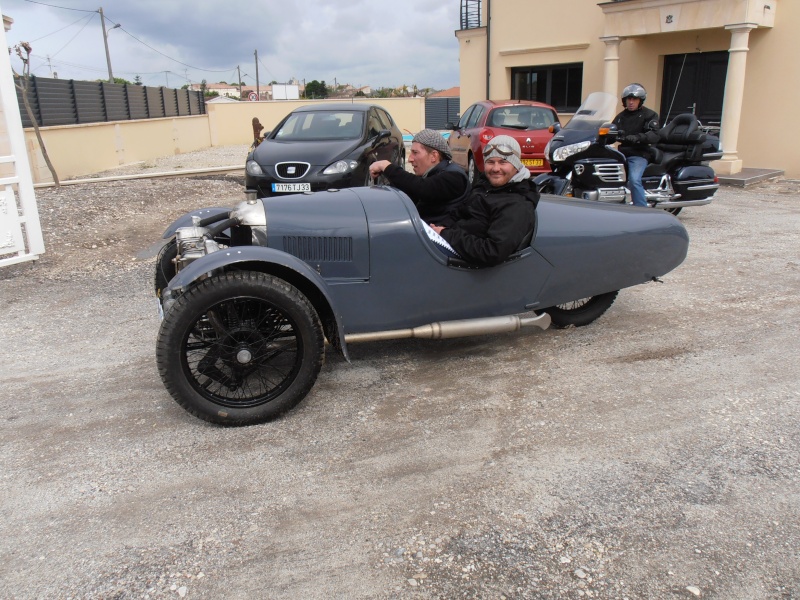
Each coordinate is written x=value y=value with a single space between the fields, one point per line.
x=598 y=108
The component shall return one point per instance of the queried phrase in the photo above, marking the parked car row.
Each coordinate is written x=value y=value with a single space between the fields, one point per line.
x=324 y=146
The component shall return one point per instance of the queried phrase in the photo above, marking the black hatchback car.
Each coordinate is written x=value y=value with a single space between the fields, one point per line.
x=323 y=146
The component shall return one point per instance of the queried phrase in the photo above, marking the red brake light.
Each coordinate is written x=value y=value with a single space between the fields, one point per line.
x=486 y=135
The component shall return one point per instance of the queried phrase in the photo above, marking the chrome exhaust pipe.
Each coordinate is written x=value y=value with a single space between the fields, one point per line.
x=455 y=329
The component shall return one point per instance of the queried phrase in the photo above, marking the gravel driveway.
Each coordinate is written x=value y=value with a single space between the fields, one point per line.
x=653 y=454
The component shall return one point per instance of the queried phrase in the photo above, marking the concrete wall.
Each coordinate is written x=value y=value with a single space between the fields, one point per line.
x=82 y=150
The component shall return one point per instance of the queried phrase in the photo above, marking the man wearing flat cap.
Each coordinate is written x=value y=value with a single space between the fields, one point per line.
x=498 y=217
x=437 y=186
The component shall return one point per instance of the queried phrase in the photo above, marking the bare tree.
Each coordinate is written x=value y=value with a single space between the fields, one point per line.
x=22 y=83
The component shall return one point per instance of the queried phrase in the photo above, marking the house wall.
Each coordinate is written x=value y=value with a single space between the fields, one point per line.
x=564 y=31
x=83 y=150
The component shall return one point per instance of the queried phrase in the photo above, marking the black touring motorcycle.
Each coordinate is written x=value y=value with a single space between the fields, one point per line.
x=585 y=164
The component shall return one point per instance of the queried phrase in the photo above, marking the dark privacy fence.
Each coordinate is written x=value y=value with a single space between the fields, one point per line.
x=440 y=111
x=70 y=102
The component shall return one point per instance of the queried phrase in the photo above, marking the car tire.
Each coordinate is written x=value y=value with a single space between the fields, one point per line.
x=579 y=312
x=472 y=170
x=240 y=348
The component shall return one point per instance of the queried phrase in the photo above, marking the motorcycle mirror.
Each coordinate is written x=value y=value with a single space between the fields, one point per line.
x=608 y=129
x=554 y=128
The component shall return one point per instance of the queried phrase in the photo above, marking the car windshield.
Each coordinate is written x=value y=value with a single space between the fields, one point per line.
x=521 y=117
x=321 y=125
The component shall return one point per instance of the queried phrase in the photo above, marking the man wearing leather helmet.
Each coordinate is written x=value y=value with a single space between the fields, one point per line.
x=638 y=128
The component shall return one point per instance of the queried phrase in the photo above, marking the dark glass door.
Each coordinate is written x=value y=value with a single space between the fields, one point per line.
x=694 y=83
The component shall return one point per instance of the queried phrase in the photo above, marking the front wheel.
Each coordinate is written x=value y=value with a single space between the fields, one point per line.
x=240 y=348
x=580 y=312
x=472 y=170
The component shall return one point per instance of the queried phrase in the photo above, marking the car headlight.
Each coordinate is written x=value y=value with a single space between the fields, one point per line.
x=340 y=166
x=563 y=153
x=253 y=168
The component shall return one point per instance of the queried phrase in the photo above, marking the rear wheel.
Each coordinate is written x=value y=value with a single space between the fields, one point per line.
x=580 y=312
x=675 y=211
x=240 y=348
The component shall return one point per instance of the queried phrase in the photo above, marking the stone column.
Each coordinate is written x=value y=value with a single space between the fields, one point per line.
x=611 y=64
x=732 y=103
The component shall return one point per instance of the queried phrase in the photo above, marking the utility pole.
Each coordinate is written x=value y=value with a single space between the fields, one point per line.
x=258 y=89
x=105 y=43
x=239 y=73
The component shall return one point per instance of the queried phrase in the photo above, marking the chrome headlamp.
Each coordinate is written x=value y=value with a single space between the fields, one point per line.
x=564 y=152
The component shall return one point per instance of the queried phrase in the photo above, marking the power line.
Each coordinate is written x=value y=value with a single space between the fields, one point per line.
x=74 y=36
x=63 y=7
x=167 y=56
x=127 y=32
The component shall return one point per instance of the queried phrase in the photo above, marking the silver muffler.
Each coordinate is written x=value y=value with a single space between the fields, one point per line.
x=455 y=329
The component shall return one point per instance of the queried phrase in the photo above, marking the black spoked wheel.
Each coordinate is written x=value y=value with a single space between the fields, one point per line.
x=240 y=348
x=580 y=312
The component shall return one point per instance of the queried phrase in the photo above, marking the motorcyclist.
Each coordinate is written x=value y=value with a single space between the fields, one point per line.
x=638 y=128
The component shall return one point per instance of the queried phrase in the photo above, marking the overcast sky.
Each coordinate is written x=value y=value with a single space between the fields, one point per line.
x=172 y=42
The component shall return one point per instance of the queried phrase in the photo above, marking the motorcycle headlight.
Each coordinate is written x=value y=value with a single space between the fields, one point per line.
x=253 y=168
x=340 y=166
x=563 y=153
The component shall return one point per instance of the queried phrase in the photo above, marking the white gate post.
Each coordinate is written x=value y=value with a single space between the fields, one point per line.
x=20 y=230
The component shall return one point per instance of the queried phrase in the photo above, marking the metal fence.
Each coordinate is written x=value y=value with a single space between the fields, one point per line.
x=71 y=102
x=440 y=111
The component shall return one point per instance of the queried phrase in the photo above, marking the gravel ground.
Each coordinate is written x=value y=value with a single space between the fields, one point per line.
x=653 y=454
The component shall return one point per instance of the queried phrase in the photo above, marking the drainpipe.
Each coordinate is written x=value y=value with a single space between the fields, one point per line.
x=488 y=44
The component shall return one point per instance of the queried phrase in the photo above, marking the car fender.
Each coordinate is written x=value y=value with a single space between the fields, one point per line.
x=186 y=220
x=264 y=259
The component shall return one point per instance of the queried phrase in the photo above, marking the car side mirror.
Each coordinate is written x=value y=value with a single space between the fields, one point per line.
x=382 y=135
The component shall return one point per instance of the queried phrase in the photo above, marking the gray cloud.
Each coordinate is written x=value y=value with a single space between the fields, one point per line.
x=359 y=42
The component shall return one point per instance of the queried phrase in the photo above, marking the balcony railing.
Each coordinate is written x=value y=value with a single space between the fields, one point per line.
x=470 y=14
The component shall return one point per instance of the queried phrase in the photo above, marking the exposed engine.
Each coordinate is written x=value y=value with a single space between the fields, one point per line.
x=192 y=243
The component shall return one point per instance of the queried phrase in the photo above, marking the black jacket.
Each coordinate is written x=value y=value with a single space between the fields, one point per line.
x=436 y=193
x=494 y=222
x=642 y=123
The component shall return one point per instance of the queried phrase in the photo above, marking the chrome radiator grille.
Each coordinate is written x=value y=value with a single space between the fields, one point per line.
x=292 y=170
x=611 y=173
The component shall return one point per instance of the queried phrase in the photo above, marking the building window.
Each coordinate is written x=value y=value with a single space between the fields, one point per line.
x=557 y=85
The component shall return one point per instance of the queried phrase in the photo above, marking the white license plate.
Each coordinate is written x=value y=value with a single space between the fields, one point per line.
x=291 y=187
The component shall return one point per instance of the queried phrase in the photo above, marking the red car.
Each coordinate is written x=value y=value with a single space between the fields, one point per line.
x=526 y=121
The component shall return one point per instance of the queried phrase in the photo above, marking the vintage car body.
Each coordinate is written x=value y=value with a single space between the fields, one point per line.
x=362 y=259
